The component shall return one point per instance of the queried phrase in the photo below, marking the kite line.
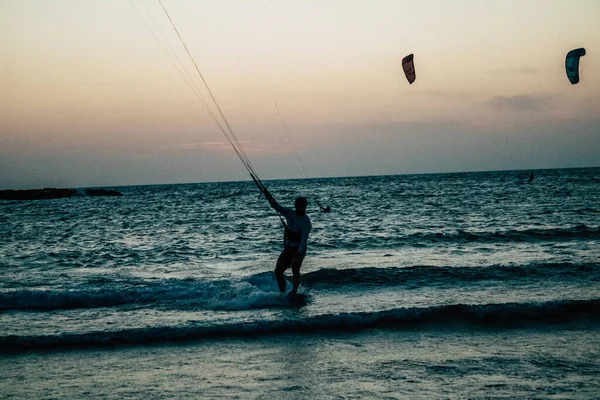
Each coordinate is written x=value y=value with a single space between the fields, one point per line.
x=222 y=123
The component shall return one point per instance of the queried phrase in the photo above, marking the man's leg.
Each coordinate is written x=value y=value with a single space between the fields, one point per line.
x=283 y=263
x=297 y=259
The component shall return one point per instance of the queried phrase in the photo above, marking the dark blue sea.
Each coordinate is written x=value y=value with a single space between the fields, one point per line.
x=463 y=285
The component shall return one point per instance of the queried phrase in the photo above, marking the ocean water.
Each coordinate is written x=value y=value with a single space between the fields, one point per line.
x=466 y=285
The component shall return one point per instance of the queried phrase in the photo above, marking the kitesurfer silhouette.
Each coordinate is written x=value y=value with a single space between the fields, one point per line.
x=297 y=228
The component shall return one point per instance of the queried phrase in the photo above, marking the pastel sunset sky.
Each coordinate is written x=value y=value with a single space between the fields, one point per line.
x=89 y=96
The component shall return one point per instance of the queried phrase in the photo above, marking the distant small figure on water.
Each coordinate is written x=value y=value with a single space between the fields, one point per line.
x=530 y=177
x=295 y=239
x=324 y=209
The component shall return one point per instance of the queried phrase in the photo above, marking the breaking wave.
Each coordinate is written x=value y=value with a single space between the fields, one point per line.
x=259 y=290
x=486 y=316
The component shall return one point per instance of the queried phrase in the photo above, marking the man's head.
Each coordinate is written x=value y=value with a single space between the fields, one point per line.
x=300 y=204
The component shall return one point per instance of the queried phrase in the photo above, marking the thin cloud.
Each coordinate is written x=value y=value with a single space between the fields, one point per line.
x=522 y=103
x=248 y=147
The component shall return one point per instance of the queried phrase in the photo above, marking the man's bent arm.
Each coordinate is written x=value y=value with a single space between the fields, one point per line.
x=278 y=207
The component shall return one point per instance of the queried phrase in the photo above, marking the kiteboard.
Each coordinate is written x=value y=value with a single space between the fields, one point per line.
x=297 y=300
